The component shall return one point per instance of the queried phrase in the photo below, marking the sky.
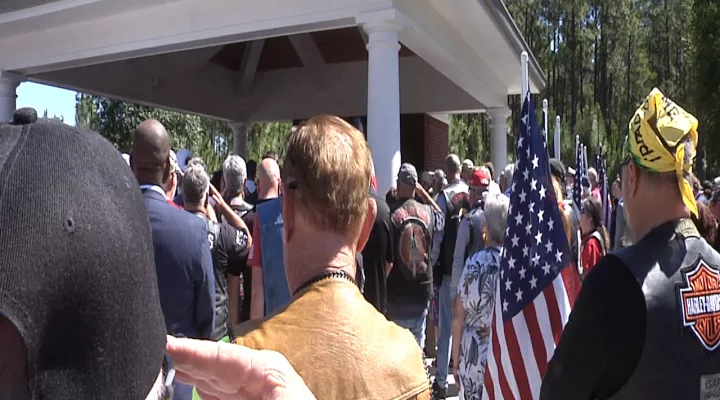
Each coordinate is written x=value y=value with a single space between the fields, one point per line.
x=57 y=102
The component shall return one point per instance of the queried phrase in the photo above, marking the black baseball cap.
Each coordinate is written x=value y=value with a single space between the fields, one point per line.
x=77 y=276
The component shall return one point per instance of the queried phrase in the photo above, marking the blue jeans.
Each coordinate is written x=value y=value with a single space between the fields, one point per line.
x=445 y=334
x=416 y=326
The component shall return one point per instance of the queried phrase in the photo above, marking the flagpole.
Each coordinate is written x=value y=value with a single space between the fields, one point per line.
x=556 y=143
x=545 y=118
x=525 y=81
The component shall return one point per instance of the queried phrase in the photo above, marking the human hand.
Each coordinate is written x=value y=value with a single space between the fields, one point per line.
x=223 y=371
x=217 y=197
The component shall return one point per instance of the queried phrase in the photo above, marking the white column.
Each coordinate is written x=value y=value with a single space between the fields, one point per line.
x=498 y=137
x=383 y=111
x=240 y=129
x=8 y=95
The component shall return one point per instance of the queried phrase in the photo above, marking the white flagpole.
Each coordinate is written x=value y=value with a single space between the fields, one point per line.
x=525 y=85
x=545 y=118
x=556 y=144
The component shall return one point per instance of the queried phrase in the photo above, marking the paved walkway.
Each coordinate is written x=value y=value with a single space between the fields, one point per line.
x=452 y=387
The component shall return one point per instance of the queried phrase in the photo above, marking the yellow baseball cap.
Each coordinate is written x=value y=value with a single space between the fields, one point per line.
x=656 y=140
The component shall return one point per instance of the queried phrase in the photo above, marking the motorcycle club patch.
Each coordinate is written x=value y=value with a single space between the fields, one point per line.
x=699 y=296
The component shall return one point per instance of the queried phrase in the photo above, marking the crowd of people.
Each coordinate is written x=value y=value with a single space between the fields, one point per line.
x=302 y=280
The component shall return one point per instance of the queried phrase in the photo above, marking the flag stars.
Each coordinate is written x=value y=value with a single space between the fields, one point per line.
x=535 y=162
x=505 y=305
x=546 y=269
x=526 y=173
x=522 y=272
x=549 y=247
x=532 y=207
x=523 y=195
x=538 y=237
x=528 y=228
x=508 y=285
x=533 y=283
x=519 y=294
x=551 y=224
x=542 y=192
x=520 y=140
x=558 y=256
x=533 y=183
x=518 y=219
x=536 y=259
x=526 y=251
x=540 y=215
x=511 y=263
x=515 y=241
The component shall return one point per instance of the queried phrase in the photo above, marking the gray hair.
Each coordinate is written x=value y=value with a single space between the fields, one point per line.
x=592 y=176
x=508 y=172
x=496 y=211
x=234 y=174
x=196 y=183
x=196 y=161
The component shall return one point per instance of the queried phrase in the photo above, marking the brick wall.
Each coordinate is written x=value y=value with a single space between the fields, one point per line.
x=436 y=143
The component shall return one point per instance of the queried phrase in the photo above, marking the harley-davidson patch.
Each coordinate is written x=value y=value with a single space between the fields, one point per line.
x=700 y=299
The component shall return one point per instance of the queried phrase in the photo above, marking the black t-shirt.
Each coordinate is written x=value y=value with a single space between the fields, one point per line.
x=602 y=342
x=377 y=252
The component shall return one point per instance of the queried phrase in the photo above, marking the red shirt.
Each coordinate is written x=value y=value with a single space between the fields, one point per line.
x=172 y=203
x=255 y=256
x=591 y=253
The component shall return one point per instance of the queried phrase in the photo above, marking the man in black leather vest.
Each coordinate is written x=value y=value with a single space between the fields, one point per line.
x=227 y=240
x=646 y=324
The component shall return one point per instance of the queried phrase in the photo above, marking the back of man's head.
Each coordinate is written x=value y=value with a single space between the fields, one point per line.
x=77 y=278
x=234 y=175
x=151 y=153
x=196 y=183
x=268 y=179
x=452 y=166
x=196 y=161
x=327 y=167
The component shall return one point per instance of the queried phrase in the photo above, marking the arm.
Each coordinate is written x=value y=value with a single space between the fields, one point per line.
x=233 y=219
x=257 y=301
x=439 y=232
x=594 y=358
x=425 y=197
x=257 y=304
x=463 y=237
x=457 y=325
x=205 y=289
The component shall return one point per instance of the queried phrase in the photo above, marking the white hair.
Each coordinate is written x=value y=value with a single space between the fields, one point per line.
x=508 y=172
x=196 y=184
x=234 y=174
x=496 y=211
x=592 y=176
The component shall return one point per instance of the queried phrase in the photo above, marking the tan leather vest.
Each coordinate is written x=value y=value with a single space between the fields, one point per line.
x=341 y=345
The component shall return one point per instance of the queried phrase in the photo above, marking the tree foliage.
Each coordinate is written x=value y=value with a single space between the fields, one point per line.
x=210 y=139
x=602 y=57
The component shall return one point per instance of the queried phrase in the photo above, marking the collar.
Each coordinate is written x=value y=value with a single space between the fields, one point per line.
x=154 y=188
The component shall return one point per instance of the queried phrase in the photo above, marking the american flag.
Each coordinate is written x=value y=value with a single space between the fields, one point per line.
x=538 y=284
x=577 y=185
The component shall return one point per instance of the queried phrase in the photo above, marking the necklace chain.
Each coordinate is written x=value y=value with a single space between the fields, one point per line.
x=322 y=277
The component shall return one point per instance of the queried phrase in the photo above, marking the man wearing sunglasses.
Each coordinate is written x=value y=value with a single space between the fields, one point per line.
x=645 y=325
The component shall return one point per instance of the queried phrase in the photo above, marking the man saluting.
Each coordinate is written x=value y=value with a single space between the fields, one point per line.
x=646 y=324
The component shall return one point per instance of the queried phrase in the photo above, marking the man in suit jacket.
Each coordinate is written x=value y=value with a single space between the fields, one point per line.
x=182 y=256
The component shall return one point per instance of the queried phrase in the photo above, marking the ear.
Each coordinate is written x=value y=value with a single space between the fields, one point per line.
x=633 y=179
x=166 y=172
x=222 y=184
x=367 y=224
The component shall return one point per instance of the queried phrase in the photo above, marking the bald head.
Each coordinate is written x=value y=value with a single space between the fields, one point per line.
x=268 y=178
x=452 y=166
x=151 y=153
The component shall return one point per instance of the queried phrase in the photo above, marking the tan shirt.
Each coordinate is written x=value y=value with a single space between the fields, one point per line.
x=341 y=345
